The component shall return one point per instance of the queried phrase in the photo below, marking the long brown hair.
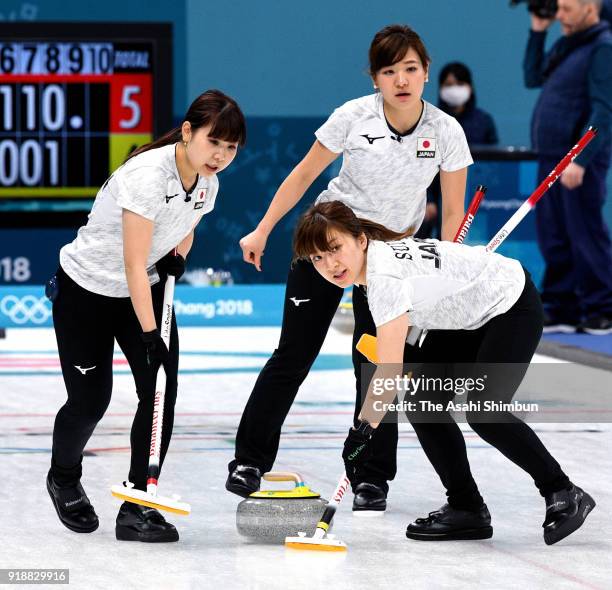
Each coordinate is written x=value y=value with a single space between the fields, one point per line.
x=391 y=44
x=312 y=233
x=213 y=108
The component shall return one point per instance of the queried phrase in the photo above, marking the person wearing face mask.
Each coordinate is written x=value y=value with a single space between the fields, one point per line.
x=576 y=81
x=457 y=98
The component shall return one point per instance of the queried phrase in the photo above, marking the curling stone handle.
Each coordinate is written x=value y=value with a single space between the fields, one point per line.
x=283 y=476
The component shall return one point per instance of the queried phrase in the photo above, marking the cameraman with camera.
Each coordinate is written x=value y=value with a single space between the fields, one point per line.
x=576 y=80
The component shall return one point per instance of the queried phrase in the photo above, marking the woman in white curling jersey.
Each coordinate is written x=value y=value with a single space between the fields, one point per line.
x=110 y=286
x=443 y=285
x=392 y=143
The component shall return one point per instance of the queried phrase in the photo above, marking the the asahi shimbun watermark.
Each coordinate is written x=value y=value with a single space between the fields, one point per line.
x=486 y=392
x=458 y=386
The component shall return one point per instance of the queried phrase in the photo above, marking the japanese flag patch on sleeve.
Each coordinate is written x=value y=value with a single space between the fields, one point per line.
x=201 y=197
x=426 y=147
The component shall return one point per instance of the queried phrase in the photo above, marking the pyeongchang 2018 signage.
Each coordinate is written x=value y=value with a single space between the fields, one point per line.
x=236 y=305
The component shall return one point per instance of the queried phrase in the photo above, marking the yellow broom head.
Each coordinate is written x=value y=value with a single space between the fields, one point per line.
x=367 y=347
x=327 y=543
x=144 y=499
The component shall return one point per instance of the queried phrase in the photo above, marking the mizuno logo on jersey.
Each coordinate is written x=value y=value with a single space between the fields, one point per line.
x=168 y=197
x=426 y=147
x=298 y=301
x=84 y=369
x=371 y=140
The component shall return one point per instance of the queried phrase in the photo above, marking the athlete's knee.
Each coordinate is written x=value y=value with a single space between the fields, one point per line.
x=292 y=360
x=484 y=425
x=90 y=409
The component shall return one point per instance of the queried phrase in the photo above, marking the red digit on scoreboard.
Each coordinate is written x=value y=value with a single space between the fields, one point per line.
x=131 y=103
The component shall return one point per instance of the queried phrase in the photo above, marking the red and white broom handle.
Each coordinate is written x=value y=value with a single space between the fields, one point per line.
x=323 y=525
x=522 y=211
x=537 y=194
x=469 y=216
x=160 y=390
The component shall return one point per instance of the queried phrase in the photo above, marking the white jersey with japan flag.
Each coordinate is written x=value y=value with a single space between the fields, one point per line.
x=442 y=285
x=148 y=184
x=385 y=175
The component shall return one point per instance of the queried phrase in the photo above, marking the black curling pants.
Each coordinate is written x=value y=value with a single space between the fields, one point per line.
x=310 y=305
x=508 y=338
x=86 y=327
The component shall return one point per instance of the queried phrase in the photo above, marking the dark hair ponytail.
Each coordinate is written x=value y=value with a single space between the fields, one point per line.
x=312 y=233
x=213 y=108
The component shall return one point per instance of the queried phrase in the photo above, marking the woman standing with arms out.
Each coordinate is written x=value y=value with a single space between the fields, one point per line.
x=393 y=143
x=445 y=286
x=110 y=285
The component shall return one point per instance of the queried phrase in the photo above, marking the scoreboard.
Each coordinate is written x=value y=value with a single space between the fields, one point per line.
x=75 y=100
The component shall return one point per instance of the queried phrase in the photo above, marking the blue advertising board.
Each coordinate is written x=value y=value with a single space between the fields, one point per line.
x=253 y=305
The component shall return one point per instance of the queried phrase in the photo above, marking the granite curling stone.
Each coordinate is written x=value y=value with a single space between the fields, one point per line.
x=268 y=516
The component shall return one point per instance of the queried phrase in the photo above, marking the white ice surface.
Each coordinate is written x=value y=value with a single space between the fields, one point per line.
x=210 y=553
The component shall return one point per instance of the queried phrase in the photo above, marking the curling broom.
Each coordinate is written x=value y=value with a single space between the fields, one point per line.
x=150 y=498
x=321 y=540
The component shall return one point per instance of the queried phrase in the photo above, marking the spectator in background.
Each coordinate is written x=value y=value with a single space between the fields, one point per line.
x=457 y=98
x=606 y=11
x=576 y=80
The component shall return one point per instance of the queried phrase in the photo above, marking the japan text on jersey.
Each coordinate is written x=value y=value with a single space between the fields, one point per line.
x=426 y=147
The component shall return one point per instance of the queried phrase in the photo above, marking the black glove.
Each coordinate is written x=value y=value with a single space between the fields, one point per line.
x=171 y=265
x=356 y=448
x=157 y=351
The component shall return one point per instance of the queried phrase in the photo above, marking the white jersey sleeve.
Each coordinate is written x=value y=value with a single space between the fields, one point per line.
x=389 y=294
x=391 y=298
x=140 y=189
x=333 y=133
x=455 y=150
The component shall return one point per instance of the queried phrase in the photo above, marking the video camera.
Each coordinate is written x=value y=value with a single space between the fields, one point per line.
x=541 y=8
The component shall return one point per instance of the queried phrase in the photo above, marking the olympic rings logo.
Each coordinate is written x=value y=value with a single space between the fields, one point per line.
x=26 y=309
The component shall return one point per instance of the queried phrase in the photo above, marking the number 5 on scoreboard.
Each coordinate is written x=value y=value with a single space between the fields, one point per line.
x=128 y=102
x=131 y=103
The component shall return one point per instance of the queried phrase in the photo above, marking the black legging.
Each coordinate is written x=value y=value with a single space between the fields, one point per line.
x=86 y=326
x=508 y=338
x=310 y=305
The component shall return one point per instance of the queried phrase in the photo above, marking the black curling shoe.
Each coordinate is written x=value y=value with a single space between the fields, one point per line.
x=72 y=506
x=566 y=512
x=141 y=523
x=369 y=497
x=450 y=524
x=243 y=480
